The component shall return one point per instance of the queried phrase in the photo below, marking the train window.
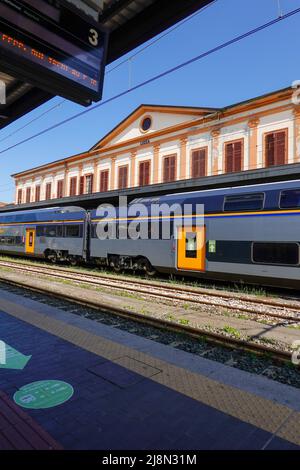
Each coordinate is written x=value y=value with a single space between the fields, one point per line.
x=244 y=202
x=8 y=240
x=50 y=231
x=59 y=231
x=40 y=231
x=94 y=231
x=276 y=253
x=73 y=231
x=290 y=199
x=19 y=240
x=191 y=245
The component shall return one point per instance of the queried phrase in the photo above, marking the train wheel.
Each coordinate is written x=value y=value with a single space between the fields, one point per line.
x=150 y=271
x=117 y=268
x=148 y=268
x=73 y=261
x=115 y=264
x=53 y=258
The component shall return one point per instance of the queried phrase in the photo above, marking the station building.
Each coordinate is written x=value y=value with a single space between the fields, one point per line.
x=159 y=143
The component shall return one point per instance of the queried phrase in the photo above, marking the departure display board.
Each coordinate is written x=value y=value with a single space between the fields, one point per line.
x=54 y=46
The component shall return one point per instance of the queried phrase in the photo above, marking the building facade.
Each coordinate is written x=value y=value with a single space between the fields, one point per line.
x=158 y=144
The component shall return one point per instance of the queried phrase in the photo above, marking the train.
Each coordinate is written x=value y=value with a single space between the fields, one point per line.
x=247 y=234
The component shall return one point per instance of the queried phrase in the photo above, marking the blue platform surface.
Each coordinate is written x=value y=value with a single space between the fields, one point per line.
x=116 y=408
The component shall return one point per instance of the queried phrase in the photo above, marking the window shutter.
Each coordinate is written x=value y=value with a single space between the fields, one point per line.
x=59 y=194
x=104 y=181
x=28 y=195
x=147 y=173
x=141 y=176
x=37 y=193
x=169 y=169
x=195 y=156
x=20 y=196
x=123 y=177
x=270 y=147
x=73 y=186
x=202 y=170
x=166 y=169
x=280 y=148
x=237 y=158
x=81 y=185
x=172 y=169
x=48 y=191
x=229 y=158
x=92 y=183
x=144 y=175
x=233 y=156
x=275 y=148
x=198 y=163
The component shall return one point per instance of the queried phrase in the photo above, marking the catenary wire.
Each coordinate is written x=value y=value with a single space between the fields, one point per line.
x=157 y=77
x=114 y=68
x=161 y=37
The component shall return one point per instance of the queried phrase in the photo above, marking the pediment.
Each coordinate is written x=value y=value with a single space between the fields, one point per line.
x=160 y=119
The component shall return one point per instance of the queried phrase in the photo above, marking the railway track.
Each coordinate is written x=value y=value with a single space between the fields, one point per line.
x=216 y=339
x=282 y=310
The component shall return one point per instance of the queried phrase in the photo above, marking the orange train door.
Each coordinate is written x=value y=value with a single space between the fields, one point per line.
x=30 y=240
x=191 y=248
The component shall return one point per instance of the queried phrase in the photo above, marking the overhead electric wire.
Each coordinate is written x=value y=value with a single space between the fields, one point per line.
x=33 y=120
x=161 y=37
x=158 y=76
x=115 y=67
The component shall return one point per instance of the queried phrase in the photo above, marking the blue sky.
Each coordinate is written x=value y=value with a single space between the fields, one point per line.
x=264 y=62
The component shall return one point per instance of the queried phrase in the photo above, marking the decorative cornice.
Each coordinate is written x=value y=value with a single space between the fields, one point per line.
x=216 y=133
x=206 y=122
x=184 y=140
x=253 y=122
x=296 y=111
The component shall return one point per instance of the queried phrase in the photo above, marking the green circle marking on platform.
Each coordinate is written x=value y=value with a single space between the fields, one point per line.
x=45 y=394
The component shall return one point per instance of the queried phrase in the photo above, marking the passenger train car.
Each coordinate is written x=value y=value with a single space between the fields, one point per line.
x=54 y=234
x=249 y=234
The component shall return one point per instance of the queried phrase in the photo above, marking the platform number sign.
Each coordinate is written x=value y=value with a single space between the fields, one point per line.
x=94 y=37
x=53 y=46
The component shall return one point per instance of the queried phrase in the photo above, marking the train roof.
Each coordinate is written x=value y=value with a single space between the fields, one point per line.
x=248 y=189
x=43 y=215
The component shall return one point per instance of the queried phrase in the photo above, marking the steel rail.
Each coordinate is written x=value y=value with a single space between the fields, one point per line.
x=161 y=291
x=189 y=331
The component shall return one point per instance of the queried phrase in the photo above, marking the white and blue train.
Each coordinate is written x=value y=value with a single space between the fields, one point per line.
x=249 y=234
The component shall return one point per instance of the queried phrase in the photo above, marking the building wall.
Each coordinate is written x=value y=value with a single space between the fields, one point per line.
x=168 y=136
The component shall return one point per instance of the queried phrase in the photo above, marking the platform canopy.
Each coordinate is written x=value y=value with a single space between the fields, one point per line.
x=130 y=23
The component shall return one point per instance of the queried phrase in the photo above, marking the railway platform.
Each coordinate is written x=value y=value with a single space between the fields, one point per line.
x=68 y=382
